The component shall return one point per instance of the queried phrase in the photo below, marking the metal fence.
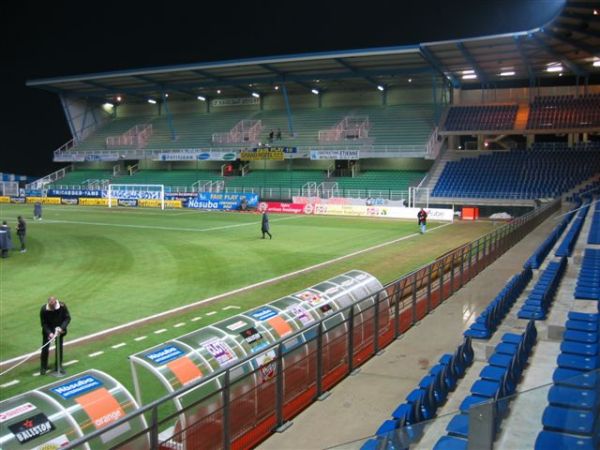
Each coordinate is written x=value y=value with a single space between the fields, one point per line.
x=245 y=409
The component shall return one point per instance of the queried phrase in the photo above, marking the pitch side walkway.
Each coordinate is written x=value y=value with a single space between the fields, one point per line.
x=360 y=403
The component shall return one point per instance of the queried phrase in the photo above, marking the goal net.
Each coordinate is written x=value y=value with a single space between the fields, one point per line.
x=130 y=194
x=418 y=197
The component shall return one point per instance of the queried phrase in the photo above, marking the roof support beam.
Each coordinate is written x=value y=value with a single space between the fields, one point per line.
x=109 y=90
x=437 y=65
x=471 y=60
x=570 y=27
x=594 y=51
x=223 y=81
x=568 y=63
x=355 y=70
x=283 y=76
x=525 y=60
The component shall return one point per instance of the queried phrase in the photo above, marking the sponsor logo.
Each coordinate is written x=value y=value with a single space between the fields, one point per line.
x=268 y=369
x=264 y=314
x=308 y=208
x=220 y=351
x=332 y=290
x=69 y=201
x=31 y=428
x=310 y=297
x=236 y=325
x=77 y=387
x=16 y=411
x=17 y=199
x=164 y=355
x=54 y=444
x=326 y=309
x=125 y=202
x=229 y=156
x=204 y=156
x=299 y=313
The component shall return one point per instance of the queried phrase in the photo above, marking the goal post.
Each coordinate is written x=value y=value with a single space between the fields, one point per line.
x=418 y=197
x=136 y=192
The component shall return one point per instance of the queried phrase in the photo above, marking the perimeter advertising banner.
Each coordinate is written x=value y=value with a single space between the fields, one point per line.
x=195 y=155
x=44 y=200
x=264 y=153
x=76 y=193
x=334 y=154
x=222 y=201
x=285 y=208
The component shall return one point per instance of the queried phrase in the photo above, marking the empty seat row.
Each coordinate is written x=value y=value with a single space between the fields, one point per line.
x=540 y=298
x=497 y=381
x=572 y=418
x=540 y=253
x=489 y=320
x=568 y=243
x=594 y=235
x=588 y=281
x=422 y=403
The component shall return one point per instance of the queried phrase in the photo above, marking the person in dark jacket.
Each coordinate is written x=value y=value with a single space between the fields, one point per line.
x=21 y=231
x=54 y=317
x=37 y=211
x=5 y=240
x=422 y=217
x=265 y=226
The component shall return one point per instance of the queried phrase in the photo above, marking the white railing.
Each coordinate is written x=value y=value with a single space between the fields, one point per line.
x=245 y=169
x=434 y=144
x=309 y=189
x=330 y=170
x=245 y=131
x=350 y=127
x=54 y=176
x=136 y=136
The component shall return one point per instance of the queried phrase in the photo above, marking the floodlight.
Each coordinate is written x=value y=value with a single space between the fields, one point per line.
x=151 y=100
x=255 y=95
x=557 y=68
x=381 y=88
x=468 y=72
x=108 y=105
x=218 y=91
x=469 y=76
x=410 y=80
x=119 y=98
x=201 y=98
x=508 y=73
x=315 y=91
x=276 y=88
x=596 y=63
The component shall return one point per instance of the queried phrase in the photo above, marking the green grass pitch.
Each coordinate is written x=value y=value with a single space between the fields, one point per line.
x=113 y=266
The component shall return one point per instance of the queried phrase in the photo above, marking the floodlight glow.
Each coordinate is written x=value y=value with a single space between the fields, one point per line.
x=119 y=98
x=468 y=72
x=151 y=100
x=508 y=73
x=596 y=63
x=470 y=76
x=218 y=91
x=381 y=88
x=255 y=95
x=315 y=91
x=554 y=69
x=201 y=98
x=276 y=88
x=108 y=105
x=410 y=80
x=167 y=95
x=596 y=12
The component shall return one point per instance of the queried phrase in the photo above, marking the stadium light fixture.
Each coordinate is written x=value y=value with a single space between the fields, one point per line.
x=469 y=76
x=507 y=73
x=151 y=100
x=596 y=63
x=557 y=68
x=276 y=88
x=218 y=91
x=381 y=88
x=315 y=91
x=201 y=98
x=166 y=95
x=596 y=12
x=108 y=105
x=468 y=72
x=255 y=95
x=119 y=98
x=410 y=80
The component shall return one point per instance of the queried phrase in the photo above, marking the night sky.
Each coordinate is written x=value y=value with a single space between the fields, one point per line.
x=47 y=39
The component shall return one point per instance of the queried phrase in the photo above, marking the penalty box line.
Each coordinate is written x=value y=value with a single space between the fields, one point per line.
x=226 y=294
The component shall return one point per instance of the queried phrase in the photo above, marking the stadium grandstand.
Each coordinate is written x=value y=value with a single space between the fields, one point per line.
x=506 y=354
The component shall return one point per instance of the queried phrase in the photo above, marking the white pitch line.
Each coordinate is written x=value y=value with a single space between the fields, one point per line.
x=154 y=227
x=231 y=307
x=212 y=313
x=93 y=355
x=9 y=384
x=35 y=374
x=141 y=338
x=162 y=330
x=229 y=293
x=180 y=324
x=195 y=319
x=122 y=344
x=70 y=363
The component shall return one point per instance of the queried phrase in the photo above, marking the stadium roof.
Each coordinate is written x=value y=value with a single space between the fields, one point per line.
x=569 y=45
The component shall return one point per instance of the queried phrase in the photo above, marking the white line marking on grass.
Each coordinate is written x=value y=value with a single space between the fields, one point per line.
x=35 y=374
x=70 y=363
x=10 y=383
x=195 y=319
x=180 y=324
x=141 y=338
x=93 y=355
x=122 y=344
x=231 y=307
x=154 y=227
x=227 y=294
x=212 y=313
x=162 y=330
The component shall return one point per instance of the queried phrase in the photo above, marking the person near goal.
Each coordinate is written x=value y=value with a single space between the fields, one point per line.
x=55 y=318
